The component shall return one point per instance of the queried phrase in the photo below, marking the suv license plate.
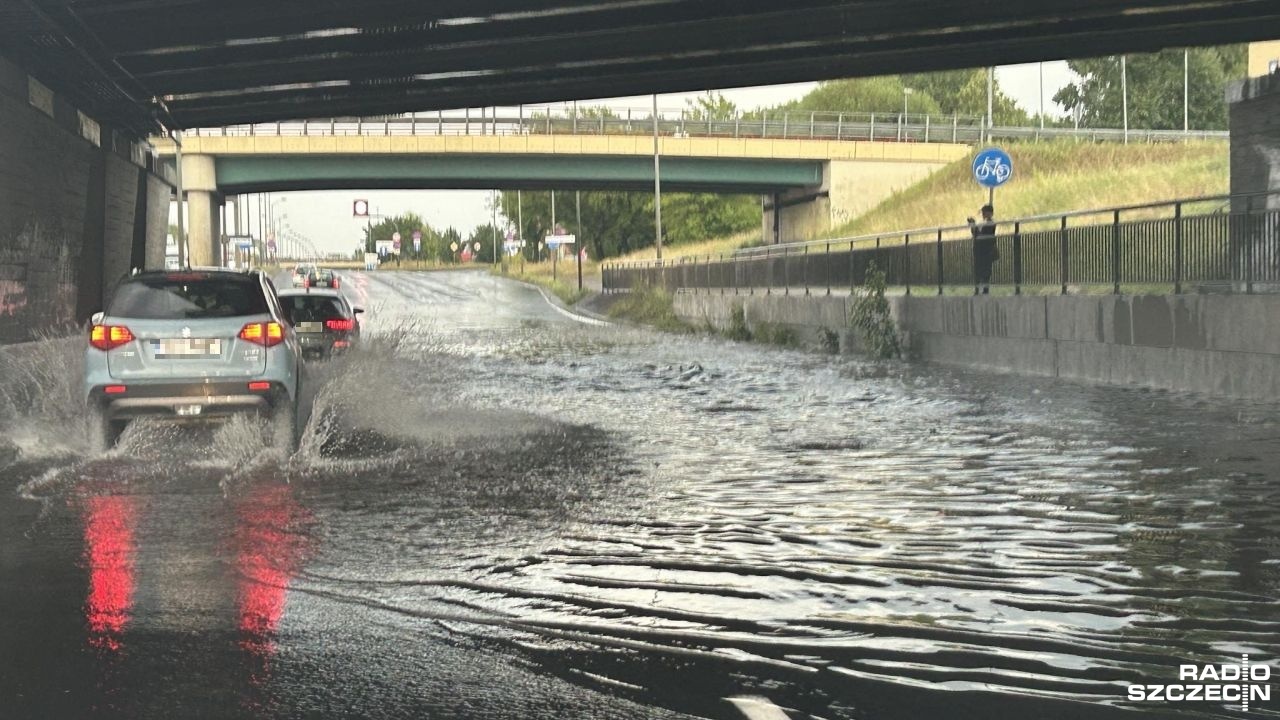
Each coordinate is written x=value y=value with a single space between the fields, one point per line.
x=184 y=348
x=189 y=410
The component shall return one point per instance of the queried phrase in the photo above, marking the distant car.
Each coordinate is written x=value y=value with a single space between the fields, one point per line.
x=300 y=274
x=192 y=345
x=325 y=321
x=322 y=278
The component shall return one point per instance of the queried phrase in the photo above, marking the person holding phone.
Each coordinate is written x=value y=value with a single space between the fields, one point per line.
x=985 y=252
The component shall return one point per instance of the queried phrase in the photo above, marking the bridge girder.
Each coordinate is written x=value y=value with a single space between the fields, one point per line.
x=144 y=64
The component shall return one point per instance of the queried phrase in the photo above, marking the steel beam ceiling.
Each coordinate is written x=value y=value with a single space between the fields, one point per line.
x=187 y=63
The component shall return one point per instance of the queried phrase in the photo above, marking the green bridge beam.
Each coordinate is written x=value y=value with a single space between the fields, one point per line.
x=274 y=173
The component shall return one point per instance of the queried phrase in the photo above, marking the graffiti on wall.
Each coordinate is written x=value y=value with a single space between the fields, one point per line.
x=38 y=268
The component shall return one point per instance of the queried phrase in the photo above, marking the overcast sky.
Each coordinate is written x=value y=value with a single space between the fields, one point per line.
x=325 y=216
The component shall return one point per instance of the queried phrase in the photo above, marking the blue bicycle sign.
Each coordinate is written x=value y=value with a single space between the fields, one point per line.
x=992 y=168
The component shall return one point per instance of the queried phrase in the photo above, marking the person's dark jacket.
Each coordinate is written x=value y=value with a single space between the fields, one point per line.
x=984 y=241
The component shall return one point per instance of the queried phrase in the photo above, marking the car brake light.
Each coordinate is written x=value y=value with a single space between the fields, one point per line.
x=340 y=324
x=267 y=334
x=335 y=283
x=115 y=389
x=259 y=385
x=109 y=337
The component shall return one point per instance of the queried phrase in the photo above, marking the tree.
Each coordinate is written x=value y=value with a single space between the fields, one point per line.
x=448 y=238
x=884 y=94
x=484 y=235
x=702 y=216
x=964 y=92
x=616 y=223
x=386 y=228
x=711 y=106
x=1155 y=89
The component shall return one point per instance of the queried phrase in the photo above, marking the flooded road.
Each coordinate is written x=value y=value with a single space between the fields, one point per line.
x=499 y=511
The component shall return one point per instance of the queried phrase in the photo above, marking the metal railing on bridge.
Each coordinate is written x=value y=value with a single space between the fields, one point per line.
x=1208 y=244
x=886 y=127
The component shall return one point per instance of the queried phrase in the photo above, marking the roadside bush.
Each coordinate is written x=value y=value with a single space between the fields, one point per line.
x=872 y=319
x=738 y=329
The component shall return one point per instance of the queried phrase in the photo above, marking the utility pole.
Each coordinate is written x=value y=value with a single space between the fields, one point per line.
x=520 y=221
x=182 y=235
x=657 y=182
x=1124 y=95
x=1042 y=96
x=1186 y=90
x=495 y=227
x=577 y=248
x=991 y=99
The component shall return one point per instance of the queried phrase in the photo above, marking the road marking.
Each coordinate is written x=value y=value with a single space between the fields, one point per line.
x=755 y=707
x=570 y=315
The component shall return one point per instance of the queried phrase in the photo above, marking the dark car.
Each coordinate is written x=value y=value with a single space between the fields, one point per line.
x=321 y=278
x=324 y=321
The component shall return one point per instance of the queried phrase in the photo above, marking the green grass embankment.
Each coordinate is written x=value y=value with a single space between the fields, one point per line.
x=1049 y=177
x=1052 y=178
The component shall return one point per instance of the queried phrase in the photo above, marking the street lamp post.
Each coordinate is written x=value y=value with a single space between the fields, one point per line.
x=1124 y=93
x=657 y=183
x=902 y=126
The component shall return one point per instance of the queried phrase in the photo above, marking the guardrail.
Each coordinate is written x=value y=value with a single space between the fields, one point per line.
x=1221 y=243
x=886 y=127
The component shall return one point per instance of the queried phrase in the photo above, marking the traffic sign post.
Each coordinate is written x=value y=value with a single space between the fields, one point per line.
x=992 y=168
x=554 y=241
x=417 y=242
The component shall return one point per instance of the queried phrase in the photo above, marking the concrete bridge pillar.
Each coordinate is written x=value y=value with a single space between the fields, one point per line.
x=204 y=227
x=800 y=213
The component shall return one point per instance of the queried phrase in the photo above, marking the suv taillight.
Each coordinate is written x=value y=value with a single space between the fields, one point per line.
x=109 y=337
x=266 y=334
x=340 y=324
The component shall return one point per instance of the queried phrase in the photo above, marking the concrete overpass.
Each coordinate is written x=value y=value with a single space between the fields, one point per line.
x=83 y=82
x=147 y=64
x=812 y=183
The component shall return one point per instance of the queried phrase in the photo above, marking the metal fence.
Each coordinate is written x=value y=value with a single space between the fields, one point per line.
x=887 y=127
x=1167 y=247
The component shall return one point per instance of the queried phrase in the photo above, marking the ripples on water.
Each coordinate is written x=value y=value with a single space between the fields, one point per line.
x=679 y=519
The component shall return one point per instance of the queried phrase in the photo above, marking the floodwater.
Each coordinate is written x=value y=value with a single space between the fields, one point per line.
x=498 y=511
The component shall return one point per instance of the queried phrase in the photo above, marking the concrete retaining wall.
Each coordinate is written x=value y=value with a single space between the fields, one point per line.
x=1255 y=139
x=851 y=187
x=74 y=214
x=1225 y=345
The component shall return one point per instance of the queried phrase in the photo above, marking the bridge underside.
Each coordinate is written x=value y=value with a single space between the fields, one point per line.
x=242 y=175
x=143 y=64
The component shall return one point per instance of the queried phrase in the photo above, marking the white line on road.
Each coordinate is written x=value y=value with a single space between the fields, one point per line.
x=755 y=707
x=570 y=315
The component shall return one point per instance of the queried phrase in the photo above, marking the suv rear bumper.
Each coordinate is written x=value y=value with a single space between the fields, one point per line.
x=186 y=401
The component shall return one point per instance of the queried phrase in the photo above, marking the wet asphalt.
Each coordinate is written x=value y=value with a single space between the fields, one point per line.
x=499 y=511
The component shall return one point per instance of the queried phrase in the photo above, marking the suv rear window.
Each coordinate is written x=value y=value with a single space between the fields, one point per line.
x=312 y=308
x=188 y=297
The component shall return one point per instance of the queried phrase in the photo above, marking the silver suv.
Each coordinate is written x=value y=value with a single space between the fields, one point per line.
x=192 y=345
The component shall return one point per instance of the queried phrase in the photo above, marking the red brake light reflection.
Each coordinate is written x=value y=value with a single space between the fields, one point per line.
x=340 y=324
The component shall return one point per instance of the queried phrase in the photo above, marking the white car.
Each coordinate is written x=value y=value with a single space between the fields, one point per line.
x=301 y=273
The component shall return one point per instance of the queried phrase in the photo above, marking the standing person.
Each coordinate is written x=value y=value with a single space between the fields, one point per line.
x=985 y=252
